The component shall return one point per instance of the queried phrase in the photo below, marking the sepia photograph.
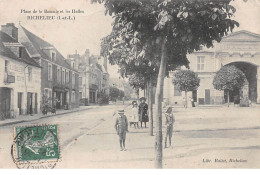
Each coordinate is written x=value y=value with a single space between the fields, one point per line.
x=129 y=84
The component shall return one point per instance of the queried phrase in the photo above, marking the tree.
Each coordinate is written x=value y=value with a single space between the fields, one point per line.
x=229 y=78
x=186 y=80
x=137 y=82
x=143 y=81
x=162 y=32
x=113 y=93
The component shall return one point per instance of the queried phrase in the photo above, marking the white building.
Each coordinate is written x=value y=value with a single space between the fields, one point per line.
x=241 y=49
x=20 y=78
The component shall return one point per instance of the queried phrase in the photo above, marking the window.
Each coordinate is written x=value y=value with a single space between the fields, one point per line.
x=53 y=56
x=63 y=76
x=67 y=76
x=80 y=95
x=49 y=72
x=58 y=75
x=48 y=95
x=73 y=79
x=200 y=63
x=73 y=96
x=80 y=81
x=29 y=74
x=73 y=65
x=6 y=66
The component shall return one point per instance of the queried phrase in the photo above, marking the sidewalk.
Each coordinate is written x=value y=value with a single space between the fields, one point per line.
x=25 y=118
x=213 y=133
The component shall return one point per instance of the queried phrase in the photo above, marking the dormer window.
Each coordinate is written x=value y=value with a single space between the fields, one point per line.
x=53 y=56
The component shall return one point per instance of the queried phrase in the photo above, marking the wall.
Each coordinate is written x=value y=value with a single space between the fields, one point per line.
x=22 y=84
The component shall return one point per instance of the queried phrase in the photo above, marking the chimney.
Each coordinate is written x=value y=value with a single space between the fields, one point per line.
x=10 y=30
x=87 y=52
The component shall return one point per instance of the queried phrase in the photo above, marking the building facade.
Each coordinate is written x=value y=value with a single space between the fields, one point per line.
x=20 y=76
x=241 y=49
x=59 y=81
x=93 y=76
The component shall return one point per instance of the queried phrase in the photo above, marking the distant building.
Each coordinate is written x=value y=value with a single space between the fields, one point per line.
x=241 y=49
x=59 y=79
x=122 y=85
x=93 y=76
x=20 y=76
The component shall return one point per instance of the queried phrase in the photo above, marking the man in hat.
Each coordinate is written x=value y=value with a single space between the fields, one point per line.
x=143 y=112
x=121 y=126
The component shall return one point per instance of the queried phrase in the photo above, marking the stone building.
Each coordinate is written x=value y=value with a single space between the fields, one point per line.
x=241 y=49
x=20 y=76
x=93 y=76
x=59 y=79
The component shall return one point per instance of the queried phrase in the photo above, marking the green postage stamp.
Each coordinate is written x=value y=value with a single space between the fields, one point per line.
x=36 y=144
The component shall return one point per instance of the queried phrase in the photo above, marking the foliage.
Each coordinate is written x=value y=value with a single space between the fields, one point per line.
x=140 y=26
x=103 y=98
x=186 y=80
x=137 y=81
x=229 y=78
x=158 y=34
x=115 y=93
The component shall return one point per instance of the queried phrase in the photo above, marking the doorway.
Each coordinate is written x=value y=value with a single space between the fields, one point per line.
x=207 y=96
x=29 y=103
x=5 y=103
x=20 y=99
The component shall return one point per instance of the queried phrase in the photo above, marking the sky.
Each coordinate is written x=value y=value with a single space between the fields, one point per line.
x=86 y=31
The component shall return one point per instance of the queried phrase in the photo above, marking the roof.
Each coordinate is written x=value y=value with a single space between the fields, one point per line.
x=6 y=38
x=5 y=51
x=242 y=31
x=242 y=35
x=36 y=44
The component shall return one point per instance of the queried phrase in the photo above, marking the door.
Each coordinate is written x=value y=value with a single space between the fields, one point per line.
x=36 y=104
x=20 y=96
x=194 y=95
x=5 y=103
x=29 y=103
x=207 y=96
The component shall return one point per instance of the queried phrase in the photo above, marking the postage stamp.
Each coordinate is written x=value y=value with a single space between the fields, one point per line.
x=36 y=145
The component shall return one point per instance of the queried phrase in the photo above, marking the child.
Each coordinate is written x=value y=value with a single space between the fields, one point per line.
x=169 y=125
x=121 y=126
x=135 y=116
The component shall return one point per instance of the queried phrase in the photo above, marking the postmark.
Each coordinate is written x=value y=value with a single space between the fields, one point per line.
x=36 y=146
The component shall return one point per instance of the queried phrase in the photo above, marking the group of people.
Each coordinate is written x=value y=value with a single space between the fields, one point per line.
x=140 y=113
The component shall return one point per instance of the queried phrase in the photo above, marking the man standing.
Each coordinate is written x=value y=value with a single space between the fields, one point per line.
x=121 y=126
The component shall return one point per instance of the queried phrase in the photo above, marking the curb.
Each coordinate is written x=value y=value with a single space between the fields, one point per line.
x=42 y=117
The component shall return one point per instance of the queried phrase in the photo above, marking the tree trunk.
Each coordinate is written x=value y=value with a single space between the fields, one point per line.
x=150 y=105
x=137 y=94
x=186 y=102
x=158 y=107
x=228 y=98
